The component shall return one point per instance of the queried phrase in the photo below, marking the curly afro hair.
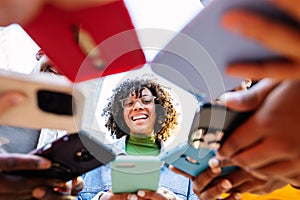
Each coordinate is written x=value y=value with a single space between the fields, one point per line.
x=166 y=115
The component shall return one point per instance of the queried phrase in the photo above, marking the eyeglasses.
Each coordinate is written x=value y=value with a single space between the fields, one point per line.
x=129 y=102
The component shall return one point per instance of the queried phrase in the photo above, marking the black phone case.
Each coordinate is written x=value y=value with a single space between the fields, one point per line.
x=70 y=157
x=191 y=157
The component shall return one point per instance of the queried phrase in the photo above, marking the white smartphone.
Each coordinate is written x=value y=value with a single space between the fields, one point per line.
x=133 y=173
x=196 y=58
x=52 y=102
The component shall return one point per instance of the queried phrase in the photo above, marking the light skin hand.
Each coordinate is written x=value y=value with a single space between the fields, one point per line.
x=10 y=99
x=273 y=135
x=283 y=40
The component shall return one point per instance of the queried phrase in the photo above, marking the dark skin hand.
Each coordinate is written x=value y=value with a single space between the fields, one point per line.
x=273 y=129
x=25 y=188
x=233 y=184
x=277 y=36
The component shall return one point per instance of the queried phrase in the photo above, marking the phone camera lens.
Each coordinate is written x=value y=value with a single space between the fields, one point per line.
x=83 y=155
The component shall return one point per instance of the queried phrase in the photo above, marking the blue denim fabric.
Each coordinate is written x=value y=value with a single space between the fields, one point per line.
x=99 y=179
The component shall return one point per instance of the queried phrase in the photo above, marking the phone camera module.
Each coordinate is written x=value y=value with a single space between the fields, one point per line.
x=55 y=102
x=83 y=155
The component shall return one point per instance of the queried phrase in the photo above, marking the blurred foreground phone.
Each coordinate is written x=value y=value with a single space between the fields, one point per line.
x=211 y=126
x=52 y=102
x=196 y=58
x=90 y=42
x=133 y=173
x=70 y=157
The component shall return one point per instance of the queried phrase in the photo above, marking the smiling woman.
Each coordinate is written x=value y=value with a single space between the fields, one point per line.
x=141 y=116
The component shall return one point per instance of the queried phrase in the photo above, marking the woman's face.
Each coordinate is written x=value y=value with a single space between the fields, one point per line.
x=139 y=113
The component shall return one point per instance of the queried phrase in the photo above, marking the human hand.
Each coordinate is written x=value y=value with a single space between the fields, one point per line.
x=14 y=186
x=201 y=181
x=271 y=132
x=22 y=11
x=277 y=36
x=66 y=191
x=161 y=194
x=10 y=99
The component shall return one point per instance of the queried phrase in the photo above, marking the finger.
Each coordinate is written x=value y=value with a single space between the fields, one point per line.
x=65 y=189
x=276 y=69
x=217 y=190
x=285 y=40
x=145 y=194
x=289 y=6
x=178 y=171
x=77 y=185
x=17 y=196
x=246 y=100
x=234 y=196
x=204 y=178
x=249 y=186
x=279 y=169
x=12 y=183
x=238 y=177
x=9 y=99
x=46 y=193
x=241 y=138
x=294 y=180
x=249 y=158
x=22 y=161
x=76 y=4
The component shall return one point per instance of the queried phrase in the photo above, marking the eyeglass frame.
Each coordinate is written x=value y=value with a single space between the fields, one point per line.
x=122 y=101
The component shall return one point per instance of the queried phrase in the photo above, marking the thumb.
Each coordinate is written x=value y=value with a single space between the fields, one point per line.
x=251 y=99
x=10 y=99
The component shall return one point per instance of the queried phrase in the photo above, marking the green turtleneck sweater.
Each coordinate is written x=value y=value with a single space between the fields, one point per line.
x=137 y=145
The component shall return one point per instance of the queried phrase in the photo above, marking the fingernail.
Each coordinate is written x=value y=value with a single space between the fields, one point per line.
x=220 y=157
x=44 y=164
x=203 y=196
x=237 y=196
x=216 y=170
x=141 y=193
x=213 y=162
x=226 y=185
x=38 y=193
x=132 y=197
x=59 y=183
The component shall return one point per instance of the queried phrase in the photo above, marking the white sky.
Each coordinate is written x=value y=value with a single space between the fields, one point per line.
x=163 y=14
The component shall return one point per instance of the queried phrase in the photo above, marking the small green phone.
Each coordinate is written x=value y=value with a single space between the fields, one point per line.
x=132 y=173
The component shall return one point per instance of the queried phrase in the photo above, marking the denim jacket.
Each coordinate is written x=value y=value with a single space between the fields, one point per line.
x=99 y=179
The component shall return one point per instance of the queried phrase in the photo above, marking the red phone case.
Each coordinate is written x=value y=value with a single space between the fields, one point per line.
x=109 y=26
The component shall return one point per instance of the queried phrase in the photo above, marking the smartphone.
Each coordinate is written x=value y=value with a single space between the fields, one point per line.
x=70 y=157
x=133 y=173
x=211 y=126
x=196 y=58
x=52 y=102
x=90 y=42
